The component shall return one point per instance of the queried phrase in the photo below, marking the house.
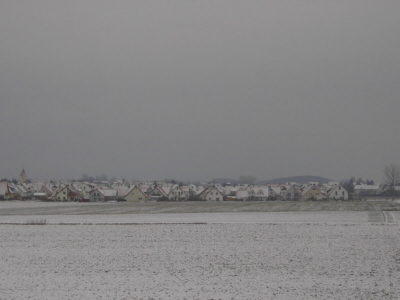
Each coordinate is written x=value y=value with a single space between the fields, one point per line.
x=45 y=189
x=4 y=191
x=188 y=191
x=85 y=188
x=13 y=192
x=230 y=190
x=177 y=194
x=367 y=190
x=100 y=194
x=211 y=194
x=135 y=194
x=312 y=192
x=22 y=190
x=337 y=192
x=66 y=193
x=122 y=191
x=261 y=193
x=157 y=193
x=242 y=195
x=290 y=193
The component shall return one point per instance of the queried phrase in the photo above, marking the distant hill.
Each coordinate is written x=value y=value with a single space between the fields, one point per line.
x=298 y=179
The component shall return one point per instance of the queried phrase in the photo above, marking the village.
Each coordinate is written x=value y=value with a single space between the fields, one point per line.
x=128 y=191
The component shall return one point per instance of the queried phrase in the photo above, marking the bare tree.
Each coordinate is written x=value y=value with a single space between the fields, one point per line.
x=392 y=178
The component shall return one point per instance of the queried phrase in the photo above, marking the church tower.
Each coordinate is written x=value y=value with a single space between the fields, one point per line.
x=22 y=177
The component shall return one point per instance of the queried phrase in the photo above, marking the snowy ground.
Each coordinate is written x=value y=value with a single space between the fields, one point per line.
x=328 y=217
x=107 y=208
x=113 y=251
x=200 y=261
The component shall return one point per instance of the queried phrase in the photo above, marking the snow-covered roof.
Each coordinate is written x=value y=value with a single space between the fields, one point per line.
x=166 y=189
x=366 y=187
x=122 y=191
x=3 y=188
x=108 y=193
x=276 y=189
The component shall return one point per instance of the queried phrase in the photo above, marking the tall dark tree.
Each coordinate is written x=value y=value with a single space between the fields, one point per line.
x=350 y=186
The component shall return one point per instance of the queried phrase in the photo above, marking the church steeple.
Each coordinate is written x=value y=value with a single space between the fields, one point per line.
x=23 y=177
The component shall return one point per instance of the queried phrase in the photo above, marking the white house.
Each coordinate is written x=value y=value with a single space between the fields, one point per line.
x=365 y=189
x=337 y=192
x=290 y=193
x=176 y=193
x=211 y=194
x=157 y=193
x=102 y=195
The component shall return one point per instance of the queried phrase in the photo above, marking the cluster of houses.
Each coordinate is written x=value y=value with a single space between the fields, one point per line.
x=161 y=191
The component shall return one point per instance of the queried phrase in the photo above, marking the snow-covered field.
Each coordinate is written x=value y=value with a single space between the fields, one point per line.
x=107 y=208
x=200 y=261
x=20 y=212
x=151 y=251
x=328 y=217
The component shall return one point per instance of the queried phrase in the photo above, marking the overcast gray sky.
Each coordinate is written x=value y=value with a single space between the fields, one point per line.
x=197 y=90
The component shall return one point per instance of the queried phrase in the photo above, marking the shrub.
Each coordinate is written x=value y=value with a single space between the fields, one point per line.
x=36 y=222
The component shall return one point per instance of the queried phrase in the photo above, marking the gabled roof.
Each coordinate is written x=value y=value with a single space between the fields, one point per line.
x=122 y=191
x=366 y=187
x=185 y=188
x=276 y=189
x=166 y=190
x=263 y=191
x=105 y=193
x=46 y=188
x=108 y=193
x=70 y=192
x=208 y=190
x=162 y=192
x=333 y=188
x=135 y=187
x=308 y=188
